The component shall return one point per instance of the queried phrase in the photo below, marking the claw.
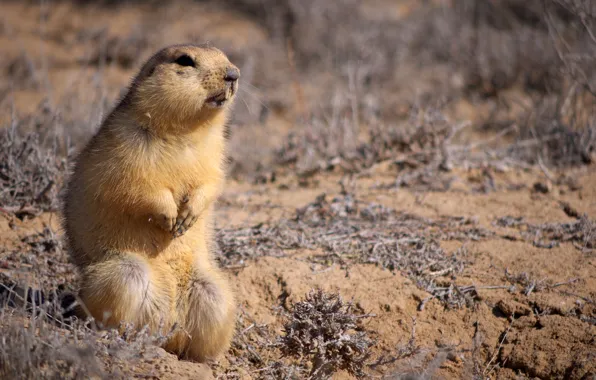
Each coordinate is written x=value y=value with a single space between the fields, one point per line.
x=186 y=219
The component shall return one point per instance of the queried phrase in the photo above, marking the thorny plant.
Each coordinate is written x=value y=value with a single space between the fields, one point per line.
x=325 y=330
x=255 y=347
x=322 y=331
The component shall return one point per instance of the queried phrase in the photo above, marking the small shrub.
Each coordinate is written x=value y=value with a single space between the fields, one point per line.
x=325 y=330
x=31 y=174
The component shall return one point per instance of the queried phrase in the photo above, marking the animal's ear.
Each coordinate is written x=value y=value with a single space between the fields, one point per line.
x=148 y=68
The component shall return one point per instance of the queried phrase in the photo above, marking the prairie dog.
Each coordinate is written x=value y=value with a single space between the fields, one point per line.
x=138 y=205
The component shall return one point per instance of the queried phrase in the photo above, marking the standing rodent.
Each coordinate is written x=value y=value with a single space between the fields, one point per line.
x=138 y=206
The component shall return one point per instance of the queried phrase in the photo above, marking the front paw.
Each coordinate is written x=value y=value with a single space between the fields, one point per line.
x=165 y=221
x=187 y=217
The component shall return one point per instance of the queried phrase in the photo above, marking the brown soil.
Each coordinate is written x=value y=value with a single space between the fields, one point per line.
x=531 y=311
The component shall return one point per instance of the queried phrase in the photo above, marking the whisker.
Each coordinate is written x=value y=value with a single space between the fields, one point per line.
x=256 y=97
x=251 y=85
x=247 y=107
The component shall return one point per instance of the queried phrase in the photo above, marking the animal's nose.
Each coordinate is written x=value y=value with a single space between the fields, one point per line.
x=232 y=74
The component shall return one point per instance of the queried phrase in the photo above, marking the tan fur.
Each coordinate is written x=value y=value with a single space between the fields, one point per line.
x=138 y=206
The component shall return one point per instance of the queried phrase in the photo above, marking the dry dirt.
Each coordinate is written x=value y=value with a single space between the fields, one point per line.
x=504 y=297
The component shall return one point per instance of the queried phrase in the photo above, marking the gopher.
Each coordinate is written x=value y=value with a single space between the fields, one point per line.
x=138 y=205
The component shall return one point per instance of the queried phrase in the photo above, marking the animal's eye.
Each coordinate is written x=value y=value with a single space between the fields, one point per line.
x=185 y=60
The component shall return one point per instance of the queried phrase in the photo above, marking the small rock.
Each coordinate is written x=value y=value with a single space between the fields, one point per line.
x=511 y=307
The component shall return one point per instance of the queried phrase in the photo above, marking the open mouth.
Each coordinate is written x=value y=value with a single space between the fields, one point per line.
x=217 y=100
x=220 y=98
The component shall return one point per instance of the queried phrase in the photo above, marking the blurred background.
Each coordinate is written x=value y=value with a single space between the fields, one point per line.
x=325 y=84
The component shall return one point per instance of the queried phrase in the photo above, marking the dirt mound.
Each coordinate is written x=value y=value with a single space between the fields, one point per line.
x=550 y=347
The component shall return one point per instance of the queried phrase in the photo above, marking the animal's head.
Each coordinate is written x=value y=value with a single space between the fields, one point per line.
x=185 y=85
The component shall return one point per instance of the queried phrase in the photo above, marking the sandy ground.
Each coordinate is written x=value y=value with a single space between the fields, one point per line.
x=532 y=310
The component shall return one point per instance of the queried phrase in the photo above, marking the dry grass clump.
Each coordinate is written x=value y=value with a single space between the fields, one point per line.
x=336 y=141
x=256 y=349
x=351 y=231
x=325 y=330
x=31 y=174
x=33 y=349
x=558 y=132
x=527 y=282
x=494 y=44
x=321 y=335
x=38 y=342
x=43 y=345
x=40 y=256
x=421 y=150
x=581 y=233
